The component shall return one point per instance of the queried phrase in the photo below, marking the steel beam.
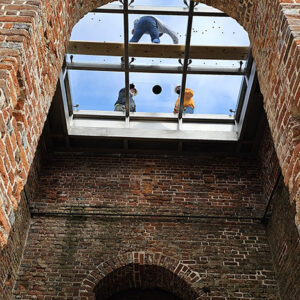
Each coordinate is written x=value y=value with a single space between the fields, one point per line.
x=126 y=55
x=153 y=117
x=186 y=58
x=248 y=96
x=156 y=68
x=65 y=102
x=226 y=135
x=156 y=10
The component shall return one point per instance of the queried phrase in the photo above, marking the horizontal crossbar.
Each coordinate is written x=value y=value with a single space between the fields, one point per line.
x=155 y=69
x=157 y=10
x=158 y=50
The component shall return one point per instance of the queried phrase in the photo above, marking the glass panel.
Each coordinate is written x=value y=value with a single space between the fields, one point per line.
x=94 y=59
x=218 y=31
x=99 y=91
x=214 y=94
x=146 y=100
x=95 y=90
x=156 y=61
x=94 y=27
x=160 y=3
x=217 y=63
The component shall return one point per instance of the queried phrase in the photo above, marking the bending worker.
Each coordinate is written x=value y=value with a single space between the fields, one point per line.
x=120 y=105
x=188 y=103
x=153 y=26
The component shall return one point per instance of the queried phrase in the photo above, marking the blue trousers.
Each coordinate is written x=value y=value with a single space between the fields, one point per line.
x=148 y=25
x=188 y=110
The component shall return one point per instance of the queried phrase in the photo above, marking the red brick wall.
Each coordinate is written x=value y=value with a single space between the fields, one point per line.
x=232 y=258
x=285 y=244
x=269 y=166
x=11 y=255
x=282 y=232
x=33 y=38
x=214 y=186
x=93 y=211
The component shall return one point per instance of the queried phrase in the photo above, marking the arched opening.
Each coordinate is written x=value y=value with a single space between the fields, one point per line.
x=136 y=281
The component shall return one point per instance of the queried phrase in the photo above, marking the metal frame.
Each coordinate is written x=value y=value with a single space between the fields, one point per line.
x=155 y=10
x=126 y=56
x=186 y=60
x=156 y=69
x=144 y=125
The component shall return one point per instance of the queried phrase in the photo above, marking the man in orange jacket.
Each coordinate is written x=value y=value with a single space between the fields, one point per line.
x=188 y=103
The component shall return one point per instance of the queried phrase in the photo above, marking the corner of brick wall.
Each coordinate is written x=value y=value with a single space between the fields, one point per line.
x=11 y=254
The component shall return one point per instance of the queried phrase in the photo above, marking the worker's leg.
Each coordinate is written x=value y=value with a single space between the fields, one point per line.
x=119 y=107
x=139 y=30
x=146 y=25
x=153 y=31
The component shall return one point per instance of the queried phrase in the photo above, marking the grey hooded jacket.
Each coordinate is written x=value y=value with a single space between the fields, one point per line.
x=122 y=100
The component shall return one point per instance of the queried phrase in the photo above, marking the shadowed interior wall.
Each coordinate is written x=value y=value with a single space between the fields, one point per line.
x=282 y=232
x=204 y=210
x=11 y=254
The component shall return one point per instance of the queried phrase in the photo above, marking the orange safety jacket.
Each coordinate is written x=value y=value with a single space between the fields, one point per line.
x=188 y=100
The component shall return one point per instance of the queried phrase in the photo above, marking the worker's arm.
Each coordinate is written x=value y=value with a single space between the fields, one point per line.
x=163 y=28
x=172 y=34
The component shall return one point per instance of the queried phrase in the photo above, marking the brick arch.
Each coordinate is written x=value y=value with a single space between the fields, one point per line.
x=114 y=273
x=32 y=48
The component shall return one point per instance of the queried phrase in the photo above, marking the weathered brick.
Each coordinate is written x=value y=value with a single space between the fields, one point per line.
x=273 y=28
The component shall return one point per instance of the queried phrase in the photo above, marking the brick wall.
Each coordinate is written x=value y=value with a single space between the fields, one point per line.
x=282 y=232
x=195 y=221
x=151 y=185
x=66 y=256
x=33 y=37
x=11 y=254
x=285 y=244
x=269 y=166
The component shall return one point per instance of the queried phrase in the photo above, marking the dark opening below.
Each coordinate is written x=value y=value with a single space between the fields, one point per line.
x=143 y=294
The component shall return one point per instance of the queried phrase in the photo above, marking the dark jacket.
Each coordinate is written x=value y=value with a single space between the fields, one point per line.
x=122 y=99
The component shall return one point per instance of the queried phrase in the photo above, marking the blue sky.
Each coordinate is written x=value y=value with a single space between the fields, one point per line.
x=212 y=94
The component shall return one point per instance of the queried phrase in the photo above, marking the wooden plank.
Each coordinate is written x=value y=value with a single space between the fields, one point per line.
x=158 y=50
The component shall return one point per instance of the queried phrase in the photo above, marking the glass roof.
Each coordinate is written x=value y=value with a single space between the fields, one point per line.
x=101 y=96
x=213 y=94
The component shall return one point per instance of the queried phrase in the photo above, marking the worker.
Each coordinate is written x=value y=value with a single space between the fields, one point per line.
x=153 y=26
x=120 y=105
x=188 y=102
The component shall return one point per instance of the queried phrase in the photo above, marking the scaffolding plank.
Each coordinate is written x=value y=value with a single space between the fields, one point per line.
x=158 y=50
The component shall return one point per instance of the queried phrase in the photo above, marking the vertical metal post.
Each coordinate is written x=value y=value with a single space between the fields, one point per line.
x=186 y=58
x=126 y=56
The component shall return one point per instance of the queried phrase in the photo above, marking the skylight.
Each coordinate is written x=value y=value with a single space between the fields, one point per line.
x=215 y=68
x=88 y=86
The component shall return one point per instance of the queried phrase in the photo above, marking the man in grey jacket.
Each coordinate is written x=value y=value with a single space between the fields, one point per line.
x=120 y=105
x=153 y=26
